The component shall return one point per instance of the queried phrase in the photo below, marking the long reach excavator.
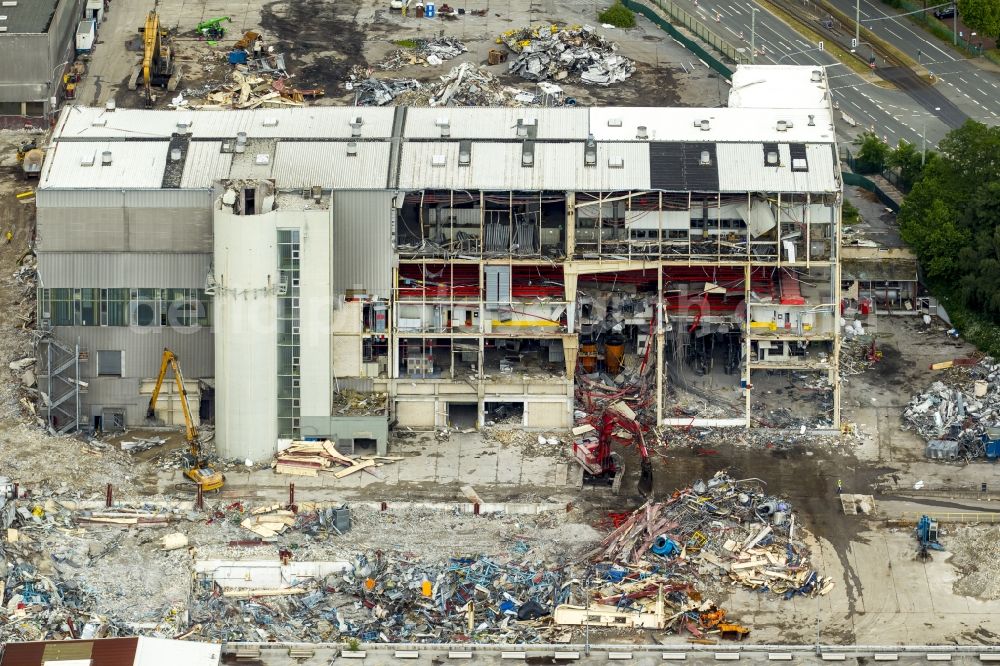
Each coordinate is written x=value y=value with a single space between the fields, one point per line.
x=157 y=66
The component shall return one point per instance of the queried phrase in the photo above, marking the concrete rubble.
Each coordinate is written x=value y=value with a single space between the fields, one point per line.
x=311 y=458
x=958 y=414
x=326 y=571
x=556 y=53
x=429 y=52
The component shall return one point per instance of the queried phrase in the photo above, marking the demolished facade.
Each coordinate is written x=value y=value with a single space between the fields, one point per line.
x=463 y=261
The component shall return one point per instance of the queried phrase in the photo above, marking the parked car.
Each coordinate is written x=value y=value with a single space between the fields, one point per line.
x=945 y=12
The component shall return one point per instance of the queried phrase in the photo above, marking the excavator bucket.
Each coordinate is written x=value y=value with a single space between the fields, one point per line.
x=646 y=478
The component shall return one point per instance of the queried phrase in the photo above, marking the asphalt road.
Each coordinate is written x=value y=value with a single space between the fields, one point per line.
x=892 y=114
x=974 y=89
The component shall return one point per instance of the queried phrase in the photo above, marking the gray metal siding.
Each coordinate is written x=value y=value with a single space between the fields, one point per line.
x=24 y=67
x=125 y=229
x=107 y=198
x=123 y=270
x=142 y=348
x=62 y=33
x=362 y=247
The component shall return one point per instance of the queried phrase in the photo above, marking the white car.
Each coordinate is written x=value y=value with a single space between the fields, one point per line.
x=395 y=4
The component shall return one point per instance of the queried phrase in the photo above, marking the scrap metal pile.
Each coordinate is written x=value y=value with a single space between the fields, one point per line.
x=959 y=414
x=728 y=528
x=424 y=52
x=467 y=84
x=556 y=53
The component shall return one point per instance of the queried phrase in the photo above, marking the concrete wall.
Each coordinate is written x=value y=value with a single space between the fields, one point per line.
x=349 y=427
x=346 y=340
x=246 y=311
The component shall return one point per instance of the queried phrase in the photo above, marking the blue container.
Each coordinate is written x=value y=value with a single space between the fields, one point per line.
x=238 y=57
x=430 y=10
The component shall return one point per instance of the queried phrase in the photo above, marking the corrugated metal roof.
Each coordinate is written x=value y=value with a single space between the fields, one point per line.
x=112 y=270
x=29 y=16
x=101 y=652
x=496 y=123
x=497 y=166
x=326 y=163
x=742 y=169
x=245 y=165
x=313 y=122
x=205 y=164
x=684 y=124
x=133 y=165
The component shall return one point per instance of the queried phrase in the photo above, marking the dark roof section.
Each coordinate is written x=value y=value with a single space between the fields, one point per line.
x=879 y=270
x=797 y=152
x=677 y=167
x=101 y=652
x=173 y=172
x=29 y=16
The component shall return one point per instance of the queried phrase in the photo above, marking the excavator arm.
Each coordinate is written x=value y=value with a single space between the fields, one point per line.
x=169 y=360
x=151 y=48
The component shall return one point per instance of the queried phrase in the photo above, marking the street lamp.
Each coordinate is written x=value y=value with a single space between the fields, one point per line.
x=923 y=139
x=753 y=33
x=857 y=22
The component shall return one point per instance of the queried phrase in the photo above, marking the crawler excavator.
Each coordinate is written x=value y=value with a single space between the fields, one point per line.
x=157 y=66
x=196 y=467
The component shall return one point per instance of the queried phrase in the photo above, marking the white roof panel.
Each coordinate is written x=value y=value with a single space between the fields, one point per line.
x=742 y=169
x=779 y=87
x=497 y=166
x=205 y=164
x=496 y=123
x=307 y=163
x=312 y=122
x=684 y=124
x=134 y=165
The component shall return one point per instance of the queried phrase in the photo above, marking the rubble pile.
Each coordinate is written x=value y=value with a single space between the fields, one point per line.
x=258 y=77
x=857 y=355
x=556 y=53
x=975 y=551
x=19 y=395
x=355 y=403
x=958 y=414
x=429 y=52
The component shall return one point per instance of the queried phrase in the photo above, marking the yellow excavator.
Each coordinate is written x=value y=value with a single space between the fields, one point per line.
x=196 y=467
x=157 y=66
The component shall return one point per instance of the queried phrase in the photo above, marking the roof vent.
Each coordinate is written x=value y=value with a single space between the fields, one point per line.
x=784 y=126
x=262 y=159
x=438 y=160
x=183 y=126
x=175 y=154
x=464 y=153
x=99 y=122
x=705 y=125
x=590 y=152
x=270 y=121
x=642 y=133
x=771 y=158
x=445 y=126
x=705 y=159
x=109 y=106
x=816 y=76
x=241 y=143
x=106 y=158
x=528 y=154
x=352 y=148
x=88 y=159
x=10 y=3
x=356 y=126
x=614 y=122
x=812 y=120
x=616 y=162
x=524 y=126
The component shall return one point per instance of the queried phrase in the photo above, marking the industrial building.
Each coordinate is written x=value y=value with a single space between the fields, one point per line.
x=469 y=263
x=37 y=41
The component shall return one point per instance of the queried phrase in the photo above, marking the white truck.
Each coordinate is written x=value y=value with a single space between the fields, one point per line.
x=86 y=33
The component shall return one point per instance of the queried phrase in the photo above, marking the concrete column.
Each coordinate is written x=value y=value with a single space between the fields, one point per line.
x=746 y=340
x=659 y=343
x=570 y=224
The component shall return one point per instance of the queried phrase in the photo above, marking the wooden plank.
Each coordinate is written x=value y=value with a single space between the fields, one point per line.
x=246 y=594
x=355 y=468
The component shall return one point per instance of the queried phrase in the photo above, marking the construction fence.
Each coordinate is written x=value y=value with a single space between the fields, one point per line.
x=866 y=183
x=668 y=9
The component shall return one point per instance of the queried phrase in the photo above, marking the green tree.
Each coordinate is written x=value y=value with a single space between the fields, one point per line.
x=981 y=15
x=936 y=239
x=907 y=159
x=872 y=154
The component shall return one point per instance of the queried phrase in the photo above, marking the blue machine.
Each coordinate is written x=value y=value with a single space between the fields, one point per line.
x=665 y=547
x=991 y=443
x=927 y=534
